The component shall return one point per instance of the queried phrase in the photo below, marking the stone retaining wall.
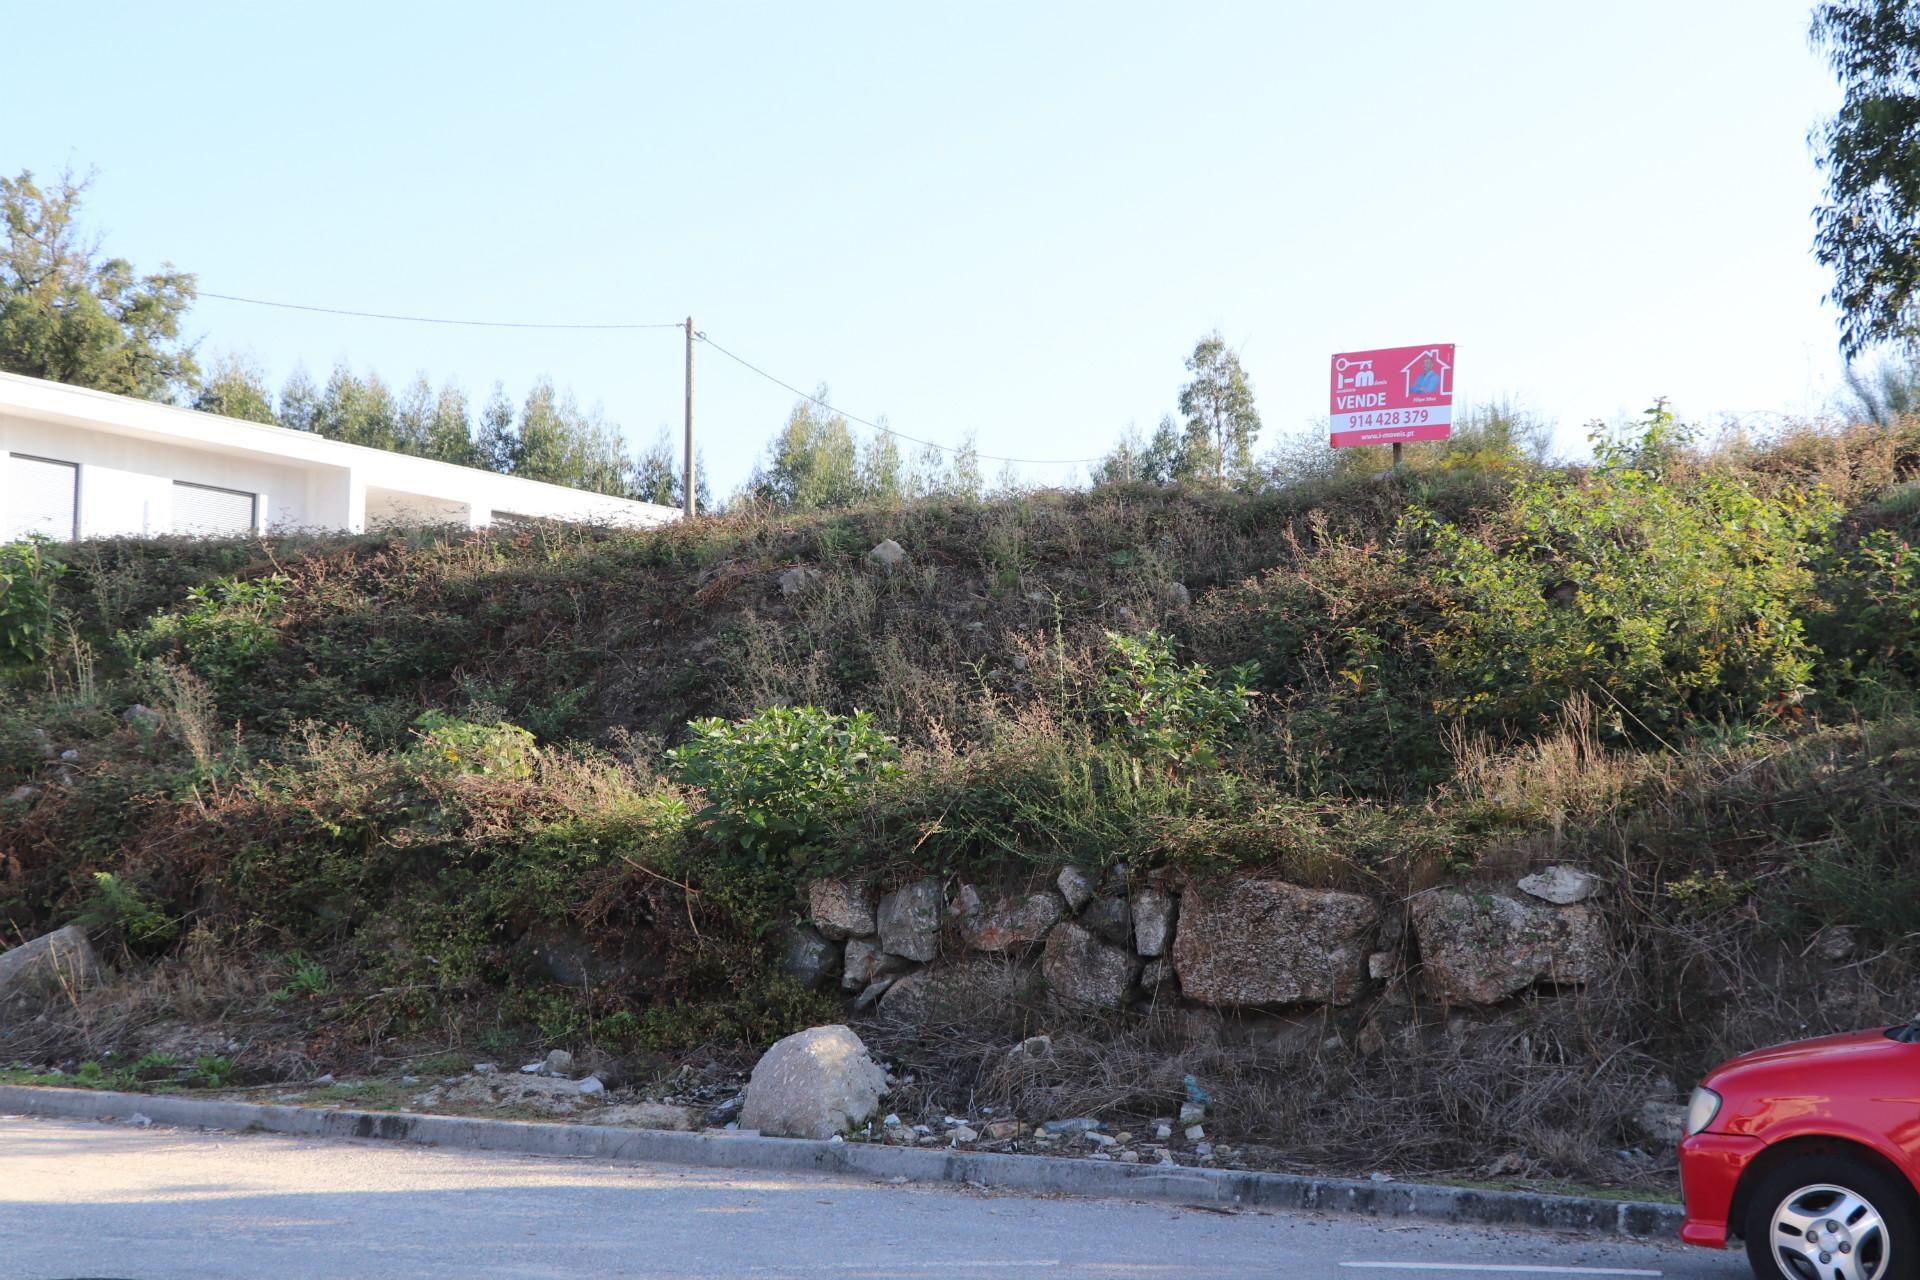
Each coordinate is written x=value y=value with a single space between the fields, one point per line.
x=1242 y=943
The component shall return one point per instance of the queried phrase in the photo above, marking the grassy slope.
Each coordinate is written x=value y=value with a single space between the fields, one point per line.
x=286 y=855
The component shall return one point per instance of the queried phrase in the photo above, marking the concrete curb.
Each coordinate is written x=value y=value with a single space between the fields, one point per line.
x=1457 y=1205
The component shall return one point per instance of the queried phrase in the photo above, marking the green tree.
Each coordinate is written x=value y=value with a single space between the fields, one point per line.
x=1222 y=421
x=1163 y=458
x=358 y=411
x=1887 y=392
x=812 y=464
x=236 y=389
x=1868 y=230
x=558 y=442
x=659 y=477
x=299 y=399
x=72 y=316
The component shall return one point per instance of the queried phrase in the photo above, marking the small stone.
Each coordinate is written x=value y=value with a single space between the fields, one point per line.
x=485 y=1068
x=1195 y=1132
x=140 y=1120
x=1379 y=1177
x=807 y=956
x=798 y=579
x=1078 y=1124
x=1075 y=888
x=1561 y=885
x=323 y=1082
x=891 y=1122
x=1152 y=922
x=1380 y=965
x=142 y=719
x=874 y=991
x=409 y=1079
x=888 y=552
x=964 y=1134
x=1033 y=1047
x=1129 y=1157
x=70 y=755
x=922 y=1129
x=1192 y=1113
x=1163 y=1132
x=558 y=1063
x=1204 y=1150
x=591 y=1085
x=1174 y=595
x=1002 y=1130
x=836 y=1138
x=1834 y=943
x=532 y=1068
x=1100 y=1139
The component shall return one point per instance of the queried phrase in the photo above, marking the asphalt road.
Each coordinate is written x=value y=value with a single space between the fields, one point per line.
x=91 y=1200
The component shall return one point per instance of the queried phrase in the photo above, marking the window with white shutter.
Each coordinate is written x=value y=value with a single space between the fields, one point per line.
x=204 y=511
x=43 y=497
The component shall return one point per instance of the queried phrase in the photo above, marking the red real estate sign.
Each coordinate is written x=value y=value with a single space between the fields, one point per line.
x=1392 y=395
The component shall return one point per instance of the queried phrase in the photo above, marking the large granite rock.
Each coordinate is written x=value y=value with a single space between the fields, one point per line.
x=1251 y=942
x=909 y=921
x=1081 y=969
x=1011 y=923
x=841 y=909
x=814 y=1084
x=1481 y=946
x=52 y=966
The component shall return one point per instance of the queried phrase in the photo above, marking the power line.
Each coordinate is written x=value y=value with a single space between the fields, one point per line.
x=672 y=324
x=379 y=315
x=807 y=395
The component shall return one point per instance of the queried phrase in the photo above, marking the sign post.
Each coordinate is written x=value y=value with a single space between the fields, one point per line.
x=1392 y=395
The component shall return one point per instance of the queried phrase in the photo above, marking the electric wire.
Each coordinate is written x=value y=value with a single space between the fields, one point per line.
x=477 y=324
x=850 y=417
x=700 y=334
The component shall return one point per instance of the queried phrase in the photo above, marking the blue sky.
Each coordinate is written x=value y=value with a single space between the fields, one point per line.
x=1008 y=219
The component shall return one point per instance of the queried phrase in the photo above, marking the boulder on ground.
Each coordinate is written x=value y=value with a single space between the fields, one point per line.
x=1081 y=969
x=54 y=965
x=1010 y=923
x=813 y=1084
x=1479 y=946
x=1251 y=942
x=909 y=921
x=841 y=909
x=888 y=552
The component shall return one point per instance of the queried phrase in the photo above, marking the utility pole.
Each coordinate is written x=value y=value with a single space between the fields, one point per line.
x=686 y=496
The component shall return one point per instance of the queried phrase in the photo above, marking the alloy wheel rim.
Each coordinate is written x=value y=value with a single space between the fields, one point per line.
x=1828 y=1232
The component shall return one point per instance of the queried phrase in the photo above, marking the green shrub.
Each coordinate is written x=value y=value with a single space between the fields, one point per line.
x=1667 y=593
x=1872 y=625
x=449 y=744
x=776 y=780
x=28 y=576
x=1167 y=714
x=225 y=629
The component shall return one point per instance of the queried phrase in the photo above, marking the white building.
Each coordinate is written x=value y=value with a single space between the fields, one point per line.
x=76 y=463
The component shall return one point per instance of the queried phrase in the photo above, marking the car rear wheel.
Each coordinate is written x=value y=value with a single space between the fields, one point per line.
x=1828 y=1217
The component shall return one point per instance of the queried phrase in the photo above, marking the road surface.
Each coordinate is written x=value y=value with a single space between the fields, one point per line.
x=80 y=1199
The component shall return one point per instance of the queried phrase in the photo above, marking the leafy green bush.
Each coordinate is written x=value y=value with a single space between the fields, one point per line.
x=28 y=574
x=1665 y=592
x=1164 y=713
x=227 y=626
x=449 y=744
x=776 y=780
x=1872 y=625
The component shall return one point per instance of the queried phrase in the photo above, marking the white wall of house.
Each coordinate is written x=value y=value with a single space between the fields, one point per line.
x=133 y=456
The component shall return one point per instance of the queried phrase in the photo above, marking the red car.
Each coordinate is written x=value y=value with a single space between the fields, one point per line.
x=1810 y=1153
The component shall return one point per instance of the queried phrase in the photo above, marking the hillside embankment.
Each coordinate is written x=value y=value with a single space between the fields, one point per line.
x=1441 y=821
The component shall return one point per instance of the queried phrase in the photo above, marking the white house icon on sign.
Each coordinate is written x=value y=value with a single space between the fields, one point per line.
x=1427 y=374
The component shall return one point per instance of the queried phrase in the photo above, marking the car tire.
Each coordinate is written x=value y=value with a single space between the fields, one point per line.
x=1873 y=1234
